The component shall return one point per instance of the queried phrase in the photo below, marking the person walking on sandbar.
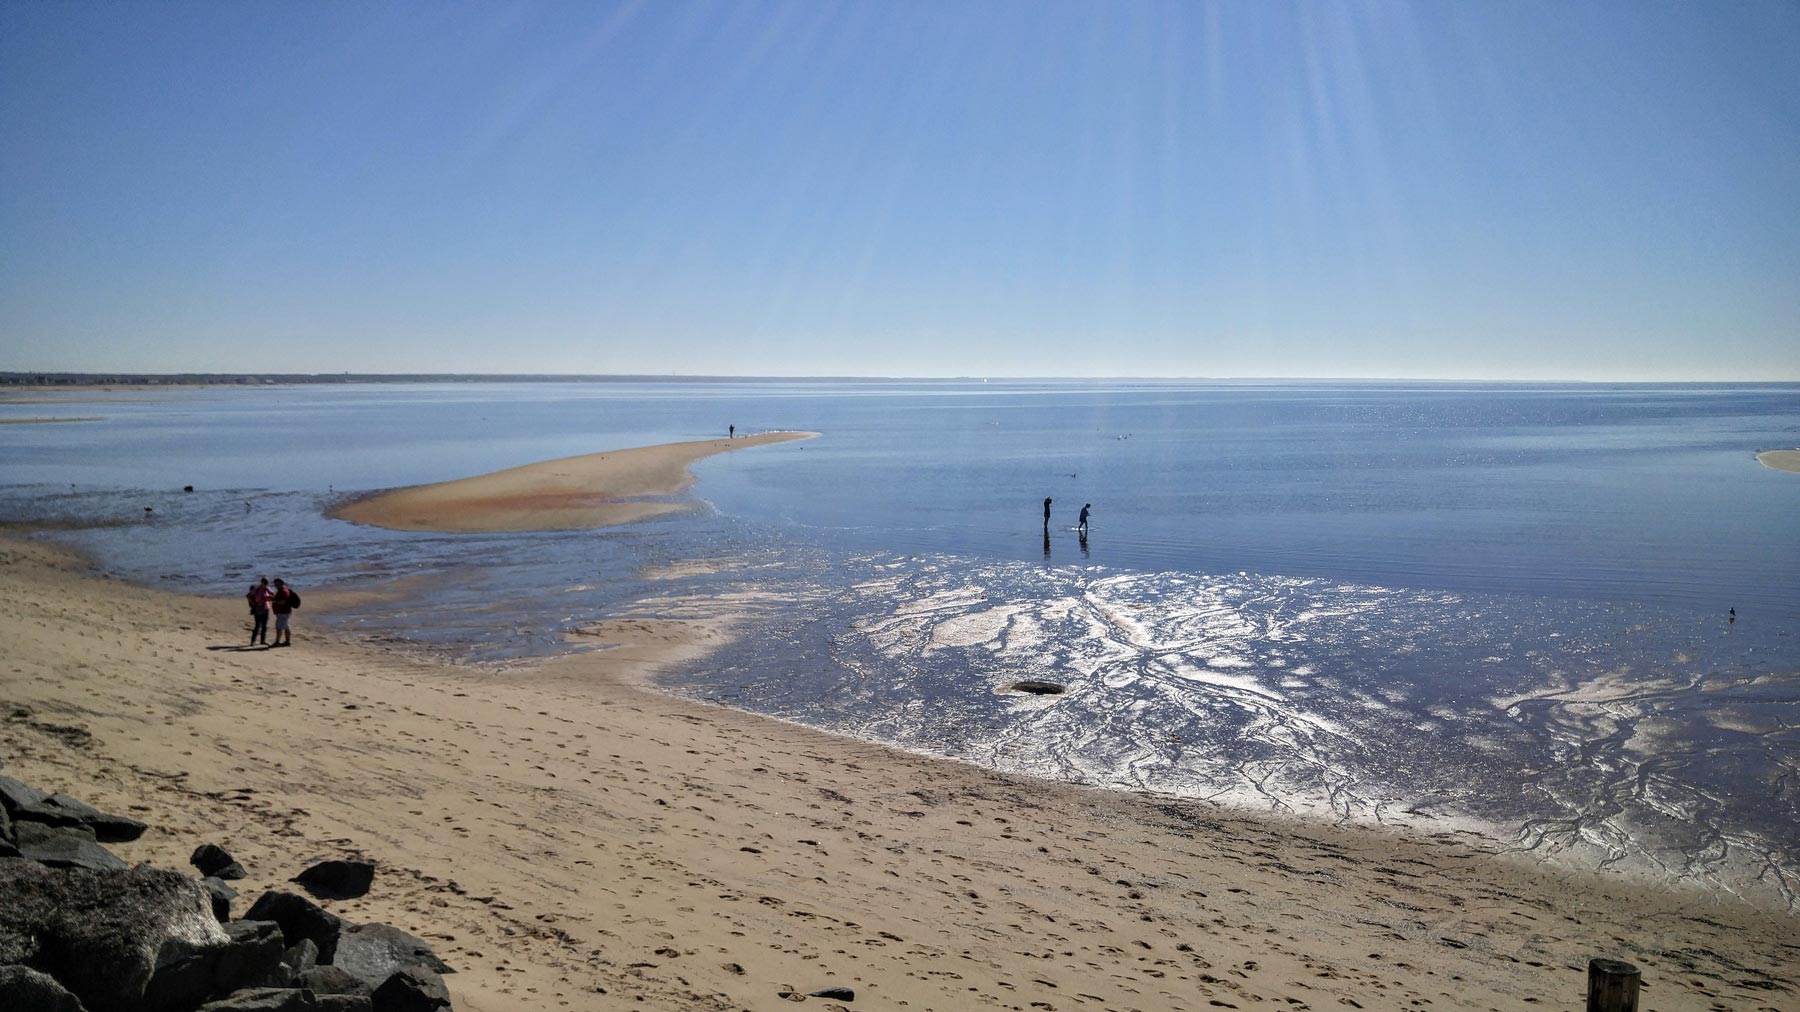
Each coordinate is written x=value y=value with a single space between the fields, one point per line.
x=1081 y=525
x=731 y=431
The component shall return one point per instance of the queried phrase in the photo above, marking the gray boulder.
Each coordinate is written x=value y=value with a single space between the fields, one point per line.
x=68 y=846
x=16 y=796
x=414 y=990
x=299 y=958
x=100 y=932
x=265 y=999
x=214 y=862
x=323 y=980
x=222 y=895
x=24 y=988
x=346 y=1003
x=374 y=952
x=186 y=976
x=337 y=880
x=108 y=828
x=28 y=804
x=299 y=918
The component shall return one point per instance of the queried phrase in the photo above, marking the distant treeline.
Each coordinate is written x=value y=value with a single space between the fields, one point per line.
x=89 y=379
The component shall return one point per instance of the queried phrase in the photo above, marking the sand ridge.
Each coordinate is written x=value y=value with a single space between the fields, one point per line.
x=568 y=840
x=570 y=493
x=1780 y=460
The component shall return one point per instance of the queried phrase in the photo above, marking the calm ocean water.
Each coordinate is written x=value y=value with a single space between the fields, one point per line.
x=1492 y=607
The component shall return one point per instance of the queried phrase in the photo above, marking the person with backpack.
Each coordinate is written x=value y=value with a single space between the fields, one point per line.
x=283 y=603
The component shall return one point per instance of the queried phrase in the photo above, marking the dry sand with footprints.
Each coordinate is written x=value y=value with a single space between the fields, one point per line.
x=569 y=839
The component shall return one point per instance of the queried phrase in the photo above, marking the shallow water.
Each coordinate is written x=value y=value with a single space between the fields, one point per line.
x=1498 y=608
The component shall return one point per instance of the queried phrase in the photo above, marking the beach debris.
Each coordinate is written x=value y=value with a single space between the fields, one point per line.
x=23 y=987
x=214 y=862
x=1038 y=688
x=834 y=993
x=337 y=880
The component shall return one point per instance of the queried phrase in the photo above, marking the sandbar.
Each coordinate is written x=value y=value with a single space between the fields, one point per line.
x=570 y=839
x=570 y=493
x=1780 y=460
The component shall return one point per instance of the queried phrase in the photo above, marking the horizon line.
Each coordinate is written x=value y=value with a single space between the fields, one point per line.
x=33 y=377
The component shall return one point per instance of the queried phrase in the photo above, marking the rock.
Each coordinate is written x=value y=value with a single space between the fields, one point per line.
x=346 y=1003
x=6 y=830
x=63 y=847
x=214 y=862
x=107 y=828
x=374 y=952
x=323 y=980
x=28 y=804
x=835 y=993
x=298 y=959
x=337 y=880
x=265 y=999
x=24 y=988
x=100 y=932
x=222 y=895
x=1038 y=688
x=250 y=957
x=299 y=918
x=414 y=990
x=16 y=796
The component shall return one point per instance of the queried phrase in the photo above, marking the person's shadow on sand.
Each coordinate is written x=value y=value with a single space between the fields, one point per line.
x=238 y=649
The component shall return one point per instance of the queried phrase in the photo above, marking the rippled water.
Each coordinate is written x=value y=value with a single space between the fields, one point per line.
x=1499 y=609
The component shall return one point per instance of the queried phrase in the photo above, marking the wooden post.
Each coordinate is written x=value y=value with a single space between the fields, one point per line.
x=1612 y=986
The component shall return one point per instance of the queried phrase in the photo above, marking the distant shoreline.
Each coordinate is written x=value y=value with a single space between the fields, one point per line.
x=48 y=382
x=571 y=493
x=1780 y=460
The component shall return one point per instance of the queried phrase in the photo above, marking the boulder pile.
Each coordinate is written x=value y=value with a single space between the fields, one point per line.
x=81 y=931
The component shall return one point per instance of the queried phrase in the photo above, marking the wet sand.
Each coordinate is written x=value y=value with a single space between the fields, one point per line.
x=1780 y=460
x=570 y=839
x=573 y=493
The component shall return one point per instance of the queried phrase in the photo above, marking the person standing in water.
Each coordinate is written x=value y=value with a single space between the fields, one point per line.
x=1046 y=513
x=1081 y=525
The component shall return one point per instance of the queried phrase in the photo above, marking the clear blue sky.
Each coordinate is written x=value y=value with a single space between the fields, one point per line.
x=1463 y=190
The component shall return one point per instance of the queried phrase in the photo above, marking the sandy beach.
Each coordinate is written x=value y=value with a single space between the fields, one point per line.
x=573 y=493
x=1780 y=460
x=571 y=839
